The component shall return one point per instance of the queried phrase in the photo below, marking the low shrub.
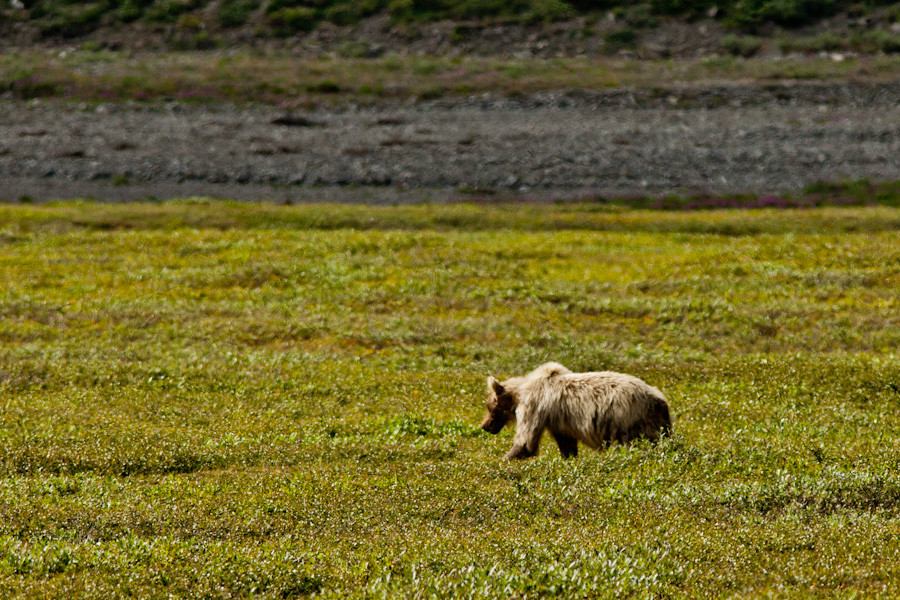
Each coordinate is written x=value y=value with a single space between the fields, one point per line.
x=234 y=13
x=291 y=20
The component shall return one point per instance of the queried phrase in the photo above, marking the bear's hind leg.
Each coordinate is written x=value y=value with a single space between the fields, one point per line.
x=568 y=446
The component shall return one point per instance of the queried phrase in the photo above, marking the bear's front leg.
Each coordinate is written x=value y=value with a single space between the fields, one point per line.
x=529 y=429
x=518 y=452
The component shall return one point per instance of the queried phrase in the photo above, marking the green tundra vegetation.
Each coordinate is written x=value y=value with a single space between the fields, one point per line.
x=279 y=79
x=74 y=18
x=206 y=399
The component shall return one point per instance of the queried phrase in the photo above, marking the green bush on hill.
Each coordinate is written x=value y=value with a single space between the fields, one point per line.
x=168 y=11
x=784 y=12
x=290 y=20
x=234 y=13
x=69 y=19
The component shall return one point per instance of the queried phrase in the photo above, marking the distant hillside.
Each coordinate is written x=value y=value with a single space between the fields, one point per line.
x=868 y=26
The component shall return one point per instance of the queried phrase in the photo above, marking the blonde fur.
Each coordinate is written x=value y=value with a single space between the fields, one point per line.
x=594 y=408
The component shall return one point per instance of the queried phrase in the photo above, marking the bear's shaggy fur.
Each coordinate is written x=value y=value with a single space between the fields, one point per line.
x=593 y=408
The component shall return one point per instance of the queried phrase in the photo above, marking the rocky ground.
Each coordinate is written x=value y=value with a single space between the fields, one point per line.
x=566 y=145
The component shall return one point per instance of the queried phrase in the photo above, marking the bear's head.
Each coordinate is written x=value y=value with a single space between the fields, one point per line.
x=501 y=406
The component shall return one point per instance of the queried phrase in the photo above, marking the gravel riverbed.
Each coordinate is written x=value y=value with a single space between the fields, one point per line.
x=764 y=139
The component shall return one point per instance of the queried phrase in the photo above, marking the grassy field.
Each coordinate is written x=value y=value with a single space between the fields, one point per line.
x=214 y=400
x=281 y=79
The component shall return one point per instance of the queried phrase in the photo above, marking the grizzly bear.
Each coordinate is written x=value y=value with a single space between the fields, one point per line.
x=594 y=408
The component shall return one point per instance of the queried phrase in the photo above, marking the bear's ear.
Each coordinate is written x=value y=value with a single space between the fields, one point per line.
x=494 y=385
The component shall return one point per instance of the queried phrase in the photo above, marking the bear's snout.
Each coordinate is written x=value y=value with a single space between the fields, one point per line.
x=492 y=425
